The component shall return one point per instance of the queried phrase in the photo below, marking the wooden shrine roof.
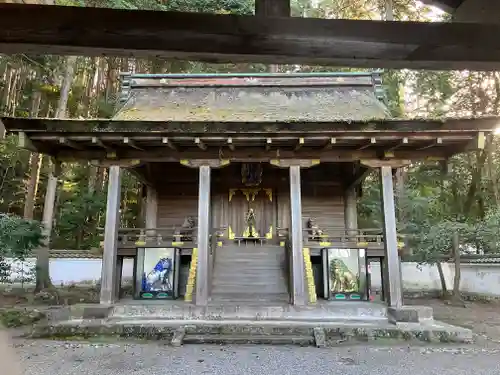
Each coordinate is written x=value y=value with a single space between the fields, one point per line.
x=252 y=97
x=40 y=29
x=341 y=140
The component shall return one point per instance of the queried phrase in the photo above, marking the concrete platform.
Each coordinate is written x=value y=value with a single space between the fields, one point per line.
x=324 y=324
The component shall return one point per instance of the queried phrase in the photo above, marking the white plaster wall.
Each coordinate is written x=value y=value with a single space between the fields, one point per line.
x=481 y=279
x=71 y=271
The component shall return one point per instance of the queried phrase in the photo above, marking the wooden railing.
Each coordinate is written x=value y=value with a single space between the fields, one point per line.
x=172 y=236
x=332 y=235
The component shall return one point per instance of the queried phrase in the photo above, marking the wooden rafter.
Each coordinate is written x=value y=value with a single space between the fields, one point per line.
x=201 y=145
x=403 y=142
x=373 y=140
x=65 y=141
x=168 y=142
x=131 y=143
x=300 y=143
x=436 y=142
x=269 y=143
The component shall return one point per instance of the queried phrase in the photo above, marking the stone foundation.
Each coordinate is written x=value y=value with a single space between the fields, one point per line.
x=323 y=325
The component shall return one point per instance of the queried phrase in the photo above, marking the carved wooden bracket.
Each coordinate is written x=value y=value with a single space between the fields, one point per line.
x=119 y=163
x=377 y=163
x=287 y=163
x=212 y=163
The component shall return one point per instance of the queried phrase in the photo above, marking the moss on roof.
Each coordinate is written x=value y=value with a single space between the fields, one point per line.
x=253 y=104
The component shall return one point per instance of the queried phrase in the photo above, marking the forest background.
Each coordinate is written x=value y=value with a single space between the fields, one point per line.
x=433 y=200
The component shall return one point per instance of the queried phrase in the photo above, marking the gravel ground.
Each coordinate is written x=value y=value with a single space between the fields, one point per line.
x=68 y=358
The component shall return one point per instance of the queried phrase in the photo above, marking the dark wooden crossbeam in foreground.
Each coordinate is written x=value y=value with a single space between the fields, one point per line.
x=327 y=141
x=227 y=38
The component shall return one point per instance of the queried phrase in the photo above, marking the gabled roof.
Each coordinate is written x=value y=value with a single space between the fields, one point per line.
x=253 y=97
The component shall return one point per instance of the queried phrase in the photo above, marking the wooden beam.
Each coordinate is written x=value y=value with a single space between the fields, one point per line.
x=131 y=143
x=252 y=153
x=25 y=142
x=360 y=175
x=299 y=144
x=230 y=144
x=69 y=143
x=200 y=144
x=38 y=29
x=169 y=143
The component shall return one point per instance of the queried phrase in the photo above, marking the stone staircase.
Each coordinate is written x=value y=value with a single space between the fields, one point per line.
x=250 y=274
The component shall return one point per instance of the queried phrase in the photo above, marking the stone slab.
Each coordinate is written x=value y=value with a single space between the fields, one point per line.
x=410 y=314
x=335 y=332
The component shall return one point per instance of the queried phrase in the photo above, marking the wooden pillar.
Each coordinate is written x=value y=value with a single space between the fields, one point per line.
x=151 y=214
x=203 y=236
x=350 y=209
x=298 y=281
x=394 y=293
x=109 y=257
x=119 y=272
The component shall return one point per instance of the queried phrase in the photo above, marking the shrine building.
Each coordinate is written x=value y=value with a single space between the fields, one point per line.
x=251 y=183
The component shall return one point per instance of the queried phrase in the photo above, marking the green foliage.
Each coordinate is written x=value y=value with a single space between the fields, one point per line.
x=18 y=236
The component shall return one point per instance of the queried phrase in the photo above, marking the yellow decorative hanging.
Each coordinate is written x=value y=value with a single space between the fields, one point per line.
x=269 y=235
x=230 y=233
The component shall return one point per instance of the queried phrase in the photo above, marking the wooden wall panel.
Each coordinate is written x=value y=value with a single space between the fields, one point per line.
x=327 y=211
x=173 y=210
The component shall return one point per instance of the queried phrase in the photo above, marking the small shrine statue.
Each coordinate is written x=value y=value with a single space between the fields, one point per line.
x=314 y=232
x=185 y=233
x=250 y=231
x=158 y=279
x=341 y=278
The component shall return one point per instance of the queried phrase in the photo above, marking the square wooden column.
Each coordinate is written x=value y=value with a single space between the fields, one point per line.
x=394 y=293
x=109 y=277
x=298 y=277
x=203 y=236
x=350 y=210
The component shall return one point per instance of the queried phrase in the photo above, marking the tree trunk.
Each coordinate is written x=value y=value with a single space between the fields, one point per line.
x=456 y=297
x=69 y=73
x=35 y=165
x=42 y=261
x=444 y=288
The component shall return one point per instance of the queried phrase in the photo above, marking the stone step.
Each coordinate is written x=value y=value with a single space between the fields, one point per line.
x=235 y=339
x=253 y=257
x=249 y=298
x=239 y=289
